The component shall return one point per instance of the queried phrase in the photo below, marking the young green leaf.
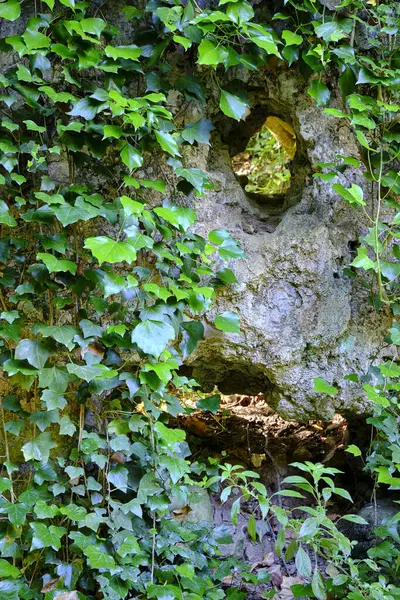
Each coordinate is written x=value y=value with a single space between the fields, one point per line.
x=233 y=106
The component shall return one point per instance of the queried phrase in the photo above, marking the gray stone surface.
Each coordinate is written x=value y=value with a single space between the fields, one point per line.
x=301 y=317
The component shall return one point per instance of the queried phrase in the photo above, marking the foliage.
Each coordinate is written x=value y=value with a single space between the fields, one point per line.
x=264 y=164
x=119 y=289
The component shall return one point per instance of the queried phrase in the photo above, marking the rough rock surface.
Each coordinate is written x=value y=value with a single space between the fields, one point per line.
x=301 y=317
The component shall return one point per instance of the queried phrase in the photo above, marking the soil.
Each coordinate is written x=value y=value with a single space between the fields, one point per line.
x=253 y=435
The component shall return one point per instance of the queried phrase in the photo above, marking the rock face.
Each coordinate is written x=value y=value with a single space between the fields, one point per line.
x=301 y=316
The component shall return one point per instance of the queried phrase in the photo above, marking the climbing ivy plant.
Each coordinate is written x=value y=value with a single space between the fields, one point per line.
x=103 y=289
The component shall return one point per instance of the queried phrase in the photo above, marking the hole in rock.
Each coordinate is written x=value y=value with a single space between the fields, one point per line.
x=264 y=167
x=268 y=157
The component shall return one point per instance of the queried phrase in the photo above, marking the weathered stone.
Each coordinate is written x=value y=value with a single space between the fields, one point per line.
x=301 y=317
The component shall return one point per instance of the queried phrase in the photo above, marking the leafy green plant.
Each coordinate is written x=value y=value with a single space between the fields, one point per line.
x=103 y=294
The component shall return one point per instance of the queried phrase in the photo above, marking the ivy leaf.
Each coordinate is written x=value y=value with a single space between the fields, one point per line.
x=211 y=54
x=17 y=513
x=9 y=315
x=178 y=39
x=32 y=351
x=353 y=195
x=362 y=260
x=240 y=12
x=107 y=250
x=131 y=52
x=44 y=418
x=46 y=537
x=176 y=467
x=53 y=400
x=66 y=426
x=130 y=545
x=228 y=322
x=177 y=216
x=152 y=337
x=292 y=39
x=10 y=10
x=90 y=329
x=55 y=265
x=233 y=106
x=84 y=372
x=167 y=142
x=131 y=157
x=93 y=26
x=112 y=131
x=319 y=92
x=73 y=512
x=211 y=403
x=39 y=448
x=198 y=132
x=45 y=511
x=63 y=334
x=5 y=216
x=98 y=558
x=7 y=570
x=322 y=386
x=55 y=379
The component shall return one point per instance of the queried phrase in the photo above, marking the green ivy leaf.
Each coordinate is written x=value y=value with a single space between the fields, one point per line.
x=46 y=537
x=353 y=195
x=152 y=337
x=93 y=26
x=211 y=54
x=107 y=250
x=131 y=157
x=32 y=351
x=7 y=570
x=211 y=403
x=167 y=142
x=17 y=513
x=66 y=426
x=240 y=12
x=322 y=386
x=319 y=92
x=98 y=558
x=131 y=52
x=233 y=106
x=362 y=260
x=55 y=379
x=55 y=265
x=63 y=334
x=292 y=39
x=198 y=132
x=84 y=372
x=39 y=448
x=5 y=216
x=179 y=217
x=10 y=10
x=228 y=322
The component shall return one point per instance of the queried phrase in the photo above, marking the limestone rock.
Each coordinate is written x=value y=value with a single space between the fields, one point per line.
x=301 y=316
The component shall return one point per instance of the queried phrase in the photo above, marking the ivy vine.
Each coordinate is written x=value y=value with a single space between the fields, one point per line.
x=103 y=293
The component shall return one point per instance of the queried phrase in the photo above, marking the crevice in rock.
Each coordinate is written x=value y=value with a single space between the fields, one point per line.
x=271 y=202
